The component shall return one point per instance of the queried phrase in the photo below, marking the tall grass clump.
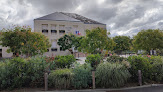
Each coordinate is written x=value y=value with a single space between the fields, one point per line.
x=82 y=76
x=111 y=75
x=60 y=79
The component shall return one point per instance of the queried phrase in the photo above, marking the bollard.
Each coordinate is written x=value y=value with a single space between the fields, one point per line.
x=93 y=79
x=140 y=77
x=46 y=81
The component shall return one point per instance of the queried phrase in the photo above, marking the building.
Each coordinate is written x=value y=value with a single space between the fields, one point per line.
x=57 y=24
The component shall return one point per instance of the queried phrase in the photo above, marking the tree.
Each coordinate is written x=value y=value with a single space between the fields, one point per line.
x=95 y=41
x=21 y=40
x=68 y=41
x=148 y=40
x=122 y=43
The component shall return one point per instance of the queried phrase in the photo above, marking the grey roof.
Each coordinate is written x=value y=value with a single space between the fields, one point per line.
x=62 y=16
x=58 y=17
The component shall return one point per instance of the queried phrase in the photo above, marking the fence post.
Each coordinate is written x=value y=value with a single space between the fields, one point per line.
x=140 y=77
x=46 y=81
x=93 y=79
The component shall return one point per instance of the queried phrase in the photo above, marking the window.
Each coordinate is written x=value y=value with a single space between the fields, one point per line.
x=44 y=28
x=61 y=27
x=53 y=49
x=44 y=31
x=53 y=31
x=61 y=31
x=53 y=28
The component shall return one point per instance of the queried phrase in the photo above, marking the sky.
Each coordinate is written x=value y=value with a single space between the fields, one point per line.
x=123 y=17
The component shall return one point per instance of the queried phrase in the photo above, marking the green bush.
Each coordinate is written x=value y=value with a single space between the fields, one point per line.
x=111 y=75
x=140 y=63
x=157 y=72
x=60 y=79
x=37 y=66
x=150 y=66
x=12 y=73
x=19 y=72
x=93 y=59
x=82 y=76
x=64 y=61
x=115 y=59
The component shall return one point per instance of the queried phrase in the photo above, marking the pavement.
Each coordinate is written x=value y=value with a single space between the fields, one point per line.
x=81 y=60
x=145 y=88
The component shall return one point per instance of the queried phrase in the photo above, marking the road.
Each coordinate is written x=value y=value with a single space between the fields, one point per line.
x=145 y=89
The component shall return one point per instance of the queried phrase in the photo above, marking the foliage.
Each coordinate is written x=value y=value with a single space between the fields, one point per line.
x=68 y=41
x=122 y=43
x=19 y=72
x=111 y=75
x=21 y=40
x=60 y=79
x=64 y=61
x=95 y=41
x=159 y=52
x=82 y=76
x=150 y=66
x=114 y=58
x=148 y=39
x=93 y=59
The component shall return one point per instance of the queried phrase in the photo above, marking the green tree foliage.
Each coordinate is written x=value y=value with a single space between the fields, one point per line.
x=95 y=41
x=21 y=40
x=148 y=39
x=68 y=41
x=122 y=43
x=93 y=59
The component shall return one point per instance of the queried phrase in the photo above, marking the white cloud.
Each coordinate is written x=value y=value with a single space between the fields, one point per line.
x=123 y=17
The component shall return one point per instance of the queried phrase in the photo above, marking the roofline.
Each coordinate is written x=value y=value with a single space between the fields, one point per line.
x=71 y=21
x=96 y=23
x=57 y=20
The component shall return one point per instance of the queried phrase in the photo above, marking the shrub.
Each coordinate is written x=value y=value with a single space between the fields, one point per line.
x=82 y=76
x=19 y=72
x=12 y=73
x=115 y=59
x=111 y=75
x=93 y=59
x=140 y=63
x=60 y=79
x=157 y=72
x=37 y=66
x=64 y=61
